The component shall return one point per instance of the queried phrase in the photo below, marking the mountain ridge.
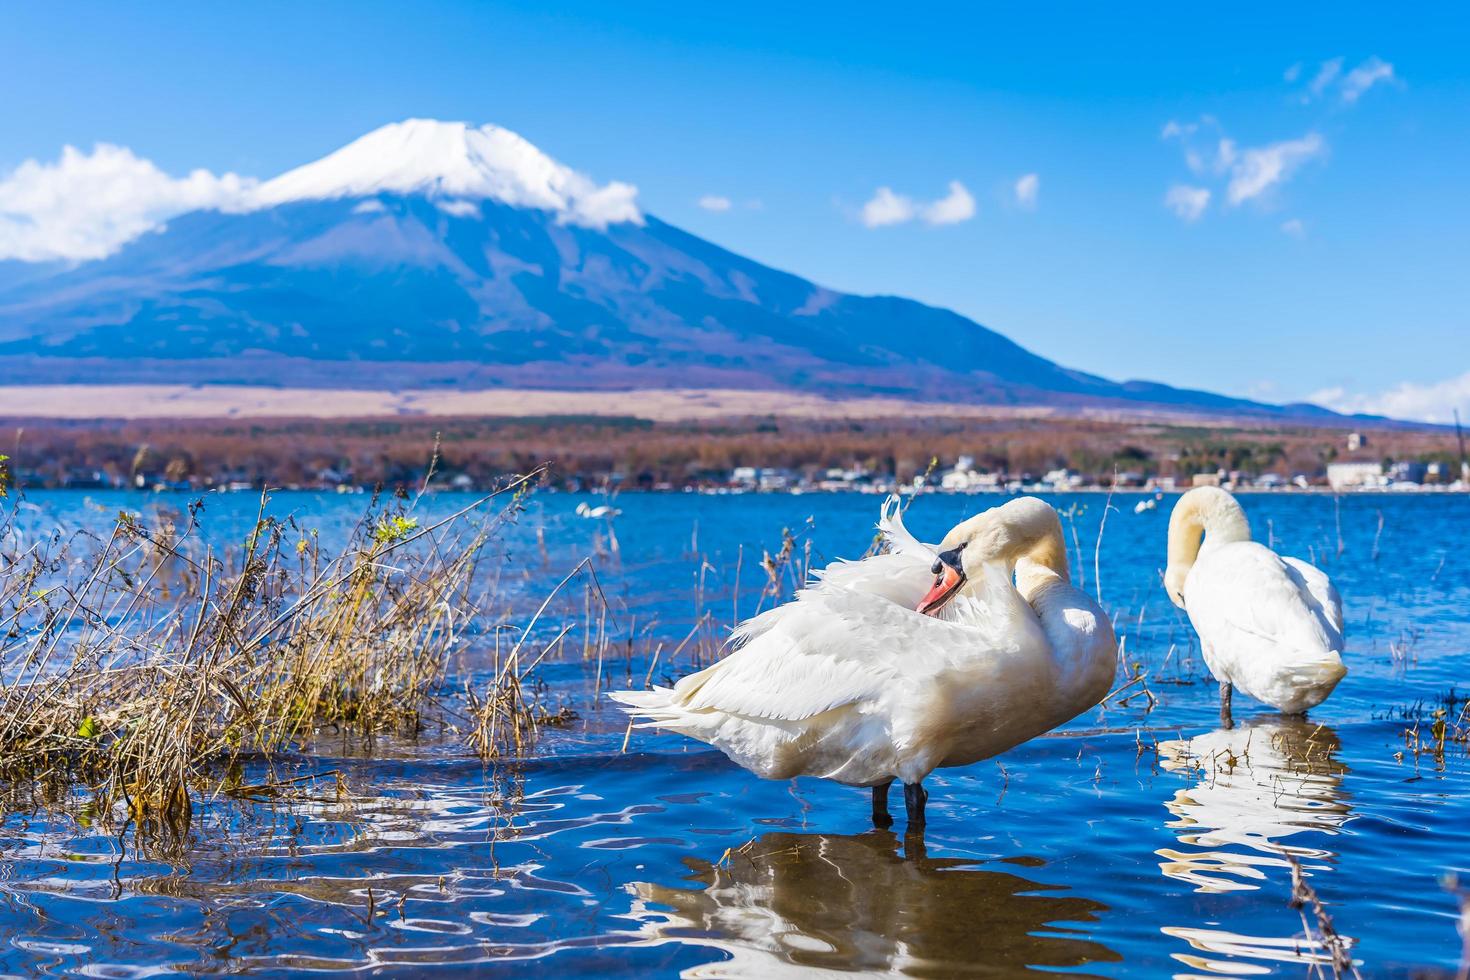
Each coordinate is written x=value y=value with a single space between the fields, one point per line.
x=436 y=254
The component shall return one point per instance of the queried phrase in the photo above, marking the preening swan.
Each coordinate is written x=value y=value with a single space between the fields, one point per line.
x=1268 y=625
x=596 y=513
x=890 y=667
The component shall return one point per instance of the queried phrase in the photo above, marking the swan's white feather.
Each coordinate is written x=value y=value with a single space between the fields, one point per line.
x=1271 y=626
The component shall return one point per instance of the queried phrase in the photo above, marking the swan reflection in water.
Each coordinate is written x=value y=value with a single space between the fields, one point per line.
x=809 y=905
x=1257 y=789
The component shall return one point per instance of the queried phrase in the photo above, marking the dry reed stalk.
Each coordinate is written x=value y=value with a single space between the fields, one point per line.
x=134 y=665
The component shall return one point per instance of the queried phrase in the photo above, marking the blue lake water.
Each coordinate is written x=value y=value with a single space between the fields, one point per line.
x=1139 y=840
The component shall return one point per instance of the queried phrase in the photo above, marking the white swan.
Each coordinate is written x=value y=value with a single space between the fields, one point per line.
x=1268 y=625
x=597 y=513
x=890 y=667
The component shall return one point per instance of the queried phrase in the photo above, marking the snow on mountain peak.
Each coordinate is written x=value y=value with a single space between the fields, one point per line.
x=456 y=163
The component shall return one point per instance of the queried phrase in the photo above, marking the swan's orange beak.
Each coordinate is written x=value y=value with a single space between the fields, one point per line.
x=947 y=581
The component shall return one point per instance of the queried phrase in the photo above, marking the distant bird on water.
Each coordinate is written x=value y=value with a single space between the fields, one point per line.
x=598 y=512
x=1268 y=625
x=889 y=667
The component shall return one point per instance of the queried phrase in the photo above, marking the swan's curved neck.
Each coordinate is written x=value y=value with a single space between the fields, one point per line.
x=1204 y=514
x=1025 y=528
x=1049 y=550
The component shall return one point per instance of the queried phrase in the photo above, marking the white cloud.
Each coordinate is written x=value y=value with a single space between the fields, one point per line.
x=1348 y=86
x=1293 y=73
x=887 y=208
x=1364 y=77
x=1187 y=202
x=714 y=202
x=1294 y=227
x=457 y=207
x=1214 y=158
x=1325 y=76
x=956 y=206
x=590 y=206
x=1434 y=402
x=1028 y=190
x=1260 y=168
x=1174 y=129
x=85 y=205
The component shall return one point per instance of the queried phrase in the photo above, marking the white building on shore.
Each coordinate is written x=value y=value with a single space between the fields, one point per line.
x=1353 y=476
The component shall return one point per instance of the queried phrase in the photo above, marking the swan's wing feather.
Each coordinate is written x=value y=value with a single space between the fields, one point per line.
x=900 y=541
x=808 y=656
x=834 y=647
x=900 y=577
x=1320 y=593
x=1243 y=597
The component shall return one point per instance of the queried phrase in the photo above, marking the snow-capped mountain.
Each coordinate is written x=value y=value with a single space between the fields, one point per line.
x=432 y=253
x=457 y=165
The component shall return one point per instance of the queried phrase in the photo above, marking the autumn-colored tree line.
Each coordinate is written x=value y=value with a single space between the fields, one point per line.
x=392 y=451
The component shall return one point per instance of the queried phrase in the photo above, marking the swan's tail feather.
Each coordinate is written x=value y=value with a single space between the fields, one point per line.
x=658 y=708
x=1300 y=682
x=639 y=702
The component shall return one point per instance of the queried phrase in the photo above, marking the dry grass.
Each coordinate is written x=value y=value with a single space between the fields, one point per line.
x=139 y=665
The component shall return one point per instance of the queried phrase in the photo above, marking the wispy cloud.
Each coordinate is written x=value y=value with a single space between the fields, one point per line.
x=1028 y=191
x=1294 y=227
x=1326 y=75
x=1349 y=86
x=1247 y=173
x=1261 y=168
x=715 y=202
x=1434 y=402
x=1187 y=202
x=85 y=205
x=1365 y=76
x=886 y=207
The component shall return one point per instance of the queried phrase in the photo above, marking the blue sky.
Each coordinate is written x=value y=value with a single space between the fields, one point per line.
x=1329 y=256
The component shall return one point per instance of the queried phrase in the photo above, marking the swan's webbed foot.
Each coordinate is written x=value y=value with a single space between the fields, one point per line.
x=881 y=817
x=1226 y=721
x=914 y=798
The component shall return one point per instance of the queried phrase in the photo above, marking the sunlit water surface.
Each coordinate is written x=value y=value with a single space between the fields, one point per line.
x=1140 y=840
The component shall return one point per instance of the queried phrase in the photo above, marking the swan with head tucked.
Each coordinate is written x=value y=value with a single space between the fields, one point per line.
x=1268 y=625
x=900 y=663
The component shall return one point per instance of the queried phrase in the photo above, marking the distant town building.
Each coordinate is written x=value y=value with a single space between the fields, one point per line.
x=1205 y=480
x=1351 y=476
x=1356 y=441
x=1408 y=471
x=1063 y=479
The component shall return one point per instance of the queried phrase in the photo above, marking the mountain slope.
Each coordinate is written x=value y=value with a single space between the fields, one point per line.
x=434 y=254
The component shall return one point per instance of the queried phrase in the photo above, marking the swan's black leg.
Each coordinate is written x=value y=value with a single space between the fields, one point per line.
x=914 y=799
x=1226 y=721
x=881 y=816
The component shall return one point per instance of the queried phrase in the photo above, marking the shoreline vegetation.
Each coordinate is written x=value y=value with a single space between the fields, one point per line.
x=753 y=453
x=140 y=669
